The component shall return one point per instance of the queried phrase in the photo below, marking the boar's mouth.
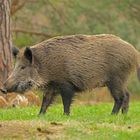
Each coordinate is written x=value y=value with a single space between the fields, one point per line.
x=21 y=87
x=24 y=86
x=14 y=88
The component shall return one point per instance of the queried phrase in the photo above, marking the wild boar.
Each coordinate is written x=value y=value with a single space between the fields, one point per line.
x=75 y=63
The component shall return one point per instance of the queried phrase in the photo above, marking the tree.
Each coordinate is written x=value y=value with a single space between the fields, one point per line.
x=5 y=41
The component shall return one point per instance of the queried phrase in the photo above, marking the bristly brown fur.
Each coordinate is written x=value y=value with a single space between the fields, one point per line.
x=85 y=61
x=74 y=63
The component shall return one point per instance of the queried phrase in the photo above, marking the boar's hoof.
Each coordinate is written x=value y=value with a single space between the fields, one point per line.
x=41 y=114
x=67 y=113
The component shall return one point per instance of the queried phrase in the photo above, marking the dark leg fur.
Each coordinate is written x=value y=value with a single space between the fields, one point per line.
x=118 y=103
x=47 y=100
x=118 y=94
x=125 y=104
x=67 y=93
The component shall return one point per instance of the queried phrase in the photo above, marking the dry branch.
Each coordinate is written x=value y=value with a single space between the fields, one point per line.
x=18 y=30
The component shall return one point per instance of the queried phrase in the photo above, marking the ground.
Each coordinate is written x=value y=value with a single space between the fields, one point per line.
x=85 y=122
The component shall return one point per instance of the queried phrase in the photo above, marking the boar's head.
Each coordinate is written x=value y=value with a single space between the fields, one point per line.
x=25 y=73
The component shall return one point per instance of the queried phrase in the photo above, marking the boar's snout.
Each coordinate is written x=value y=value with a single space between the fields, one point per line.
x=3 y=90
x=21 y=87
x=10 y=86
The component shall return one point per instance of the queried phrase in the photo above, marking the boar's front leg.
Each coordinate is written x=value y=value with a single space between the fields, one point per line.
x=47 y=100
x=67 y=93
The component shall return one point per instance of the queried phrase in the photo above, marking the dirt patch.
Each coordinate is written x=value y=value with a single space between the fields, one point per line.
x=19 y=130
x=55 y=123
x=125 y=128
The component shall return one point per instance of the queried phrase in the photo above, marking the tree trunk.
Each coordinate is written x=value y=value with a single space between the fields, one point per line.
x=5 y=41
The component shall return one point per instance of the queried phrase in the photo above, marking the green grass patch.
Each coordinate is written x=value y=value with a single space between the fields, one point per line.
x=85 y=122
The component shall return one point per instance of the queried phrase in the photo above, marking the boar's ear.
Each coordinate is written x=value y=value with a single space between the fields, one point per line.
x=28 y=54
x=15 y=51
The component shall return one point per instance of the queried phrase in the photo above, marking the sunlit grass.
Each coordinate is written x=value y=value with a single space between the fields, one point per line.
x=85 y=122
x=94 y=113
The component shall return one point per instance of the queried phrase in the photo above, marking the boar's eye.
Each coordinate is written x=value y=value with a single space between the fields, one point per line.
x=22 y=67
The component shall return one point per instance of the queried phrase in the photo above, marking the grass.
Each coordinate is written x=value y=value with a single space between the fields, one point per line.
x=85 y=122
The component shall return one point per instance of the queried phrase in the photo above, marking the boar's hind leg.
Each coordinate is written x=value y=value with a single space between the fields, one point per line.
x=118 y=94
x=125 y=104
x=47 y=100
x=67 y=92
